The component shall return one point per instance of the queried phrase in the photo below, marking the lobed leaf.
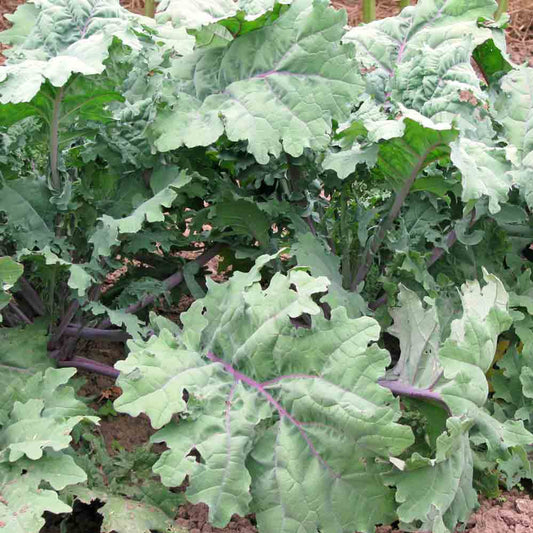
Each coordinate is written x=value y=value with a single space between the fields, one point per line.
x=67 y=37
x=278 y=87
x=422 y=58
x=275 y=412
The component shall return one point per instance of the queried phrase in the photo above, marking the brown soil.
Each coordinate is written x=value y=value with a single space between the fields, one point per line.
x=512 y=513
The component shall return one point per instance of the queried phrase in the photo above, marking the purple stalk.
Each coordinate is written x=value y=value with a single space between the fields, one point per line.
x=65 y=321
x=451 y=239
x=437 y=252
x=32 y=298
x=17 y=311
x=170 y=283
x=387 y=222
x=54 y=141
x=91 y=366
x=404 y=389
x=283 y=413
x=311 y=225
x=96 y=334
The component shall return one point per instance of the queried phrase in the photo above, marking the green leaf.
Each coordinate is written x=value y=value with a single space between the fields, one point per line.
x=79 y=279
x=514 y=107
x=23 y=353
x=270 y=424
x=125 y=515
x=37 y=414
x=457 y=373
x=437 y=493
x=243 y=217
x=468 y=354
x=310 y=252
x=10 y=272
x=408 y=144
x=422 y=142
x=119 y=318
x=151 y=210
x=58 y=469
x=278 y=87
x=67 y=37
x=23 y=21
x=345 y=161
x=422 y=58
x=485 y=171
x=26 y=204
x=31 y=428
x=198 y=13
x=23 y=502
x=419 y=334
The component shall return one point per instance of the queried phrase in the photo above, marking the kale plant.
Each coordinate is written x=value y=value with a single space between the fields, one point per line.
x=367 y=193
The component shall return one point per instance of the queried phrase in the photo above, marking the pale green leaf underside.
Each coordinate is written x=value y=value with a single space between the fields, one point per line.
x=438 y=492
x=484 y=170
x=419 y=334
x=311 y=253
x=23 y=502
x=458 y=371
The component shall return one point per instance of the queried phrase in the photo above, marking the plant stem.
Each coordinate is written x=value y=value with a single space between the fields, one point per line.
x=17 y=311
x=387 y=222
x=404 y=4
x=503 y=7
x=96 y=334
x=369 y=10
x=54 y=142
x=91 y=366
x=149 y=8
x=65 y=321
x=32 y=297
x=170 y=283
x=404 y=389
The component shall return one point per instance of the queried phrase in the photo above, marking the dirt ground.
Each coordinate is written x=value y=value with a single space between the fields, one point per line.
x=511 y=513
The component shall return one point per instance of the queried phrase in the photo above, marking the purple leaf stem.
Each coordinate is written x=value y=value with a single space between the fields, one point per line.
x=404 y=389
x=437 y=252
x=17 y=311
x=311 y=225
x=387 y=222
x=32 y=297
x=65 y=321
x=54 y=141
x=170 y=283
x=96 y=334
x=283 y=413
x=91 y=366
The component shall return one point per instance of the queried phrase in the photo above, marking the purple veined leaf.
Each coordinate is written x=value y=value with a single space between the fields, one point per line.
x=278 y=87
x=422 y=58
x=275 y=412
